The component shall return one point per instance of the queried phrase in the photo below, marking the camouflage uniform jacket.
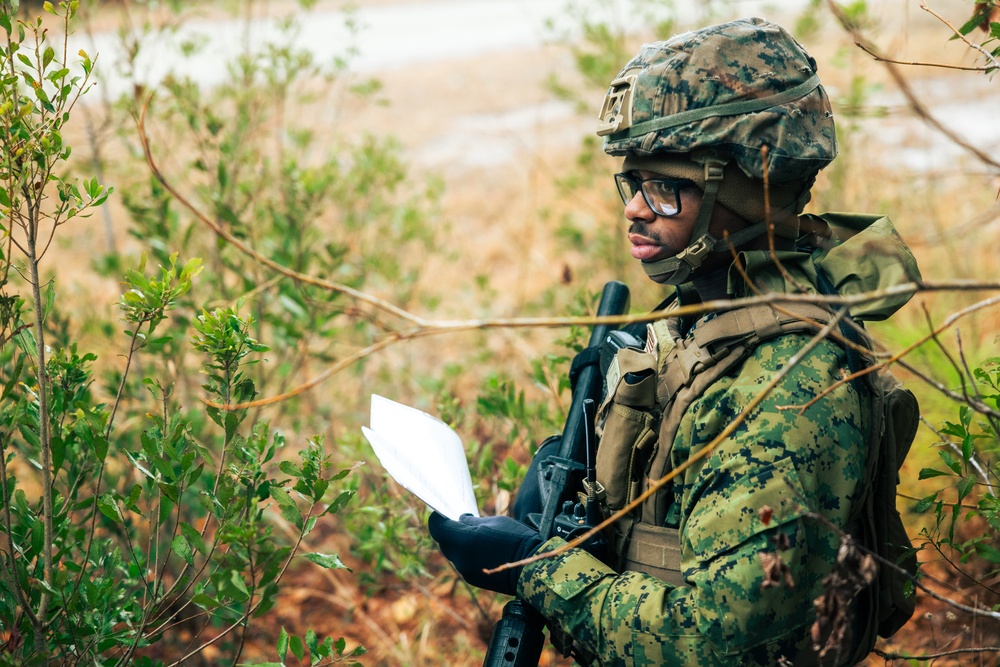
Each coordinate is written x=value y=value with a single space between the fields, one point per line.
x=790 y=461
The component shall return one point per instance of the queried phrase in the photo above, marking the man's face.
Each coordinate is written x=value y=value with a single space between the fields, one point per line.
x=655 y=237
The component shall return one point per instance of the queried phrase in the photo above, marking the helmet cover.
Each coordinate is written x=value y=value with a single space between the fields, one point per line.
x=728 y=89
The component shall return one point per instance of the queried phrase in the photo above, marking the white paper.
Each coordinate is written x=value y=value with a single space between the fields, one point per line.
x=423 y=454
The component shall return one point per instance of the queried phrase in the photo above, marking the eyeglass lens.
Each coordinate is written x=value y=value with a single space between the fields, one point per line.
x=661 y=195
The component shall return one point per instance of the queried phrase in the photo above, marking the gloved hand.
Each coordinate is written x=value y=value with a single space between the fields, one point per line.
x=473 y=544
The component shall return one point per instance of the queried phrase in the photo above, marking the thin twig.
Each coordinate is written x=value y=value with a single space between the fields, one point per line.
x=958 y=33
x=889 y=655
x=916 y=63
x=771 y=227
x=456 y=326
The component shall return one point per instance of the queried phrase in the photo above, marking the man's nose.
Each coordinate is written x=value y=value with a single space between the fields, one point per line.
x=638 y=209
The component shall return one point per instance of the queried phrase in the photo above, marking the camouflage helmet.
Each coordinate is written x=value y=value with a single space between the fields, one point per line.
x=731 y=88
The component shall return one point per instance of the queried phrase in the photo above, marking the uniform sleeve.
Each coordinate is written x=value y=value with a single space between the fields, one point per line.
x=752 y=573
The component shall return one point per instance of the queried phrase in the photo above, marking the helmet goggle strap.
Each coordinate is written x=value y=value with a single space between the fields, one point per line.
x=677 y=269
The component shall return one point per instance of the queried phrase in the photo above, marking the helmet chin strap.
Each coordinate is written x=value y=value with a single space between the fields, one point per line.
x=677 y=269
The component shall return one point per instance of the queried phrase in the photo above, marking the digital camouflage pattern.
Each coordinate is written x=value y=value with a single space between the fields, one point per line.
x=792 y=463
x=735 y=87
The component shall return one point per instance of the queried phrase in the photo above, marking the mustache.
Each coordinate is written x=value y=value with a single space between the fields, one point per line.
x=642 y=229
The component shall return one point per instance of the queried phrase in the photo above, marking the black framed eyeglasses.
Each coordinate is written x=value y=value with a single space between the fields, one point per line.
x=662 y=194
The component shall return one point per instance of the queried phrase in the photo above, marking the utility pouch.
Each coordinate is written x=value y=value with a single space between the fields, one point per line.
x=630 y=424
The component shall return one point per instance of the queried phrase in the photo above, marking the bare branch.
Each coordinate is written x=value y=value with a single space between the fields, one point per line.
x=244 y=248
x=905 y=88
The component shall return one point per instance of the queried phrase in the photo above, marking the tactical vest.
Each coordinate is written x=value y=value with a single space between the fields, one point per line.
x=648 y=392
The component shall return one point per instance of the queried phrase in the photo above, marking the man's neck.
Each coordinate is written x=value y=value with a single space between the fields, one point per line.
x=713 y=285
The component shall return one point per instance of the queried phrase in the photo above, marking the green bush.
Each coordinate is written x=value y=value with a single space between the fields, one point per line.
x=115 y=536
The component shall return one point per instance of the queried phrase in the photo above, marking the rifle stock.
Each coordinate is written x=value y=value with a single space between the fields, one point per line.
x=517 y=638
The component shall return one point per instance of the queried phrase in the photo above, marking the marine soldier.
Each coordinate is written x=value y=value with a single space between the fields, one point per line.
x=722 y=565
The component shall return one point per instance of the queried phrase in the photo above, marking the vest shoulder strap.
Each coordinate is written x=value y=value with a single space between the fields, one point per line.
x=716 y=338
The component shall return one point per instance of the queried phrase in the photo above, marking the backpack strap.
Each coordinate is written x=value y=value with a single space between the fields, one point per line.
x=745 y=328
x=848 y=329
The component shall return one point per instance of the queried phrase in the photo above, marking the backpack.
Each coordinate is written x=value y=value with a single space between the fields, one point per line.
x=890 y=602
x=884 y=607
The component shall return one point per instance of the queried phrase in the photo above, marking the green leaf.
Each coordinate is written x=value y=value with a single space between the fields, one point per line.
x=346 y=471
x=133 y=498
x=99 y=444
x=965 y=487
x=925 y=504
x=55 y=75
x=182 y=548
x=973 y=23
x=311 y=640
x=282 y=644
x=967 y=448
x=988 y=552
x=927 y=473
x=328 y=561
x=30 y=436
x=109 y=507
x=43 y=97
x=298 y=649
x=58 y=449
x=194 y=538
x=50 y=298
x=237 y=582
x=342 y=499
x=44 y=585
x=289 y=509
x=953 y=429
x=141 y=468
x=290 y=468
x=205 y=601
x=950 y=461
x=170 y=491
x=325 y=649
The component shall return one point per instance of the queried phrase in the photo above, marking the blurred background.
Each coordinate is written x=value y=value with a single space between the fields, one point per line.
x=439 y=159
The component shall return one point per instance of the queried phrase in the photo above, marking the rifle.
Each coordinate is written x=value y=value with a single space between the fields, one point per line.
x=517 y=638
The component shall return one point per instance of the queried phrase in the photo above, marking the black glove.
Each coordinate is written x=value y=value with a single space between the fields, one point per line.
x=473 y=544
